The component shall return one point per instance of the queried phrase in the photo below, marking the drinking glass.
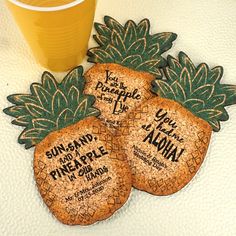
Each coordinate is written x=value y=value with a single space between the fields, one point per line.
x=57 y=31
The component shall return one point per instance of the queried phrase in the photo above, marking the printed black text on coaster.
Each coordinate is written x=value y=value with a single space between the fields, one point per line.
x=166 y=138
x=80 y=170
x=127 y=59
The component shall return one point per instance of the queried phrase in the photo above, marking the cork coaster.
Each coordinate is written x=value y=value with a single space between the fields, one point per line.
x=166 y=138
x=127 y=59
x=80 y=169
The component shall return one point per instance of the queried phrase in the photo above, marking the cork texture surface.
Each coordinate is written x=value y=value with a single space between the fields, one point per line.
x=118 y=90
x=165 y=145
x=81 y=173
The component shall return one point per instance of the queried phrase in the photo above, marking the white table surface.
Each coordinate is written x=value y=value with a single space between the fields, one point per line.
x=207 y=32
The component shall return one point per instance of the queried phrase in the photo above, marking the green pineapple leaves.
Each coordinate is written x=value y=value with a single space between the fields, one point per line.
x=131 y=45
x=51 y=106
x=197 y=88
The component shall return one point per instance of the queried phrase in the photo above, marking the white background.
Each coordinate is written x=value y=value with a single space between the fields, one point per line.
x=207 y=33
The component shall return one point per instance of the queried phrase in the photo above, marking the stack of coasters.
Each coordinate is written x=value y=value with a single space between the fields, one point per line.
x=148 y=123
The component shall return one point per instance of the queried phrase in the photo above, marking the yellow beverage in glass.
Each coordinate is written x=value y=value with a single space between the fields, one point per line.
x=56 y=30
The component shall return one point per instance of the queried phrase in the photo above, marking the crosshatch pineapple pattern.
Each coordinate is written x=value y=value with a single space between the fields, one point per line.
x=80 y=171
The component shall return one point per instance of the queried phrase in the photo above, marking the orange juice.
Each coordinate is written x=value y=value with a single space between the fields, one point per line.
x=57 y=31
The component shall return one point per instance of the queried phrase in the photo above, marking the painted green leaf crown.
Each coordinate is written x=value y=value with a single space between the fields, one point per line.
x=197 y=88
x=51 y=106
x=131 y=45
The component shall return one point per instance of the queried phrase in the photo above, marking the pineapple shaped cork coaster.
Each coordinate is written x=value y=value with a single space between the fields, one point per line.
x=148 y=123
x=80 y=170
x=167 y=137
x=127 y=59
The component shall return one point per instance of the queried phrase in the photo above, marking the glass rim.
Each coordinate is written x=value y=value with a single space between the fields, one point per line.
x=46 y=9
